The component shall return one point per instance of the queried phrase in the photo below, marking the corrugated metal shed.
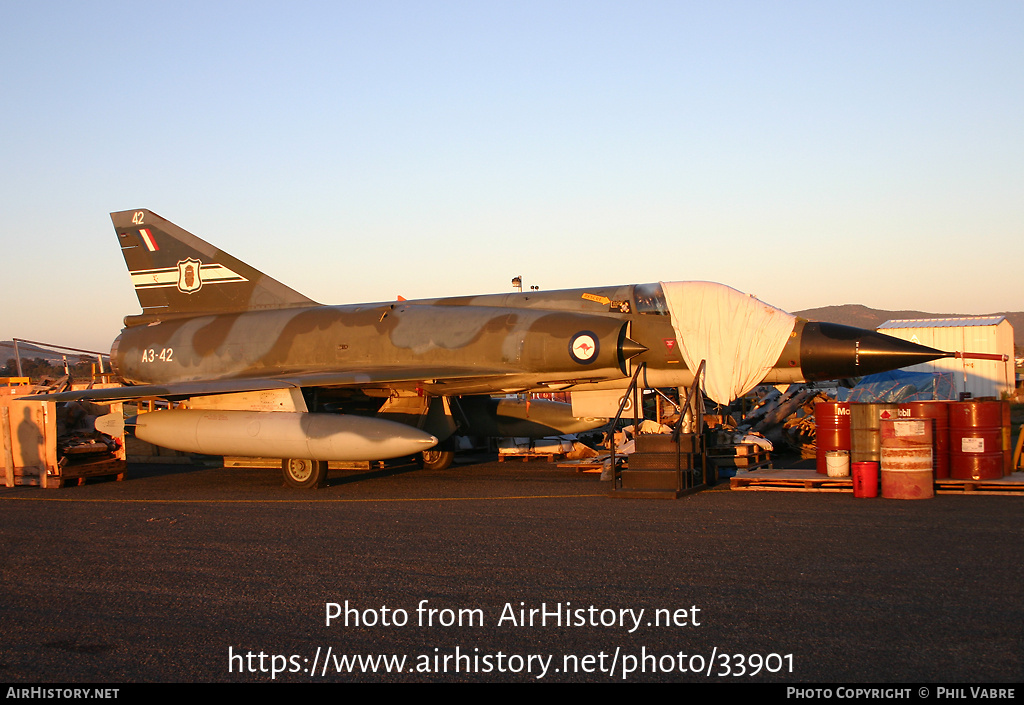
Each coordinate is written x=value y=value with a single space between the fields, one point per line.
x=975 y=334
x=970 y=321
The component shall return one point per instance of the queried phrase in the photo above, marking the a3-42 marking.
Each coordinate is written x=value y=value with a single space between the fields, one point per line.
x=151 y=355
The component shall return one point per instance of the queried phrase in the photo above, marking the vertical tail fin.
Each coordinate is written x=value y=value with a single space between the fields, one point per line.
x=177 y=274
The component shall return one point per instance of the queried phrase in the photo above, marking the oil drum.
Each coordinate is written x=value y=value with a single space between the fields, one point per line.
x=1007 y=440
x=832 y=430
x=906 y=453
x=938 y=412
x=865 y=421
x=976 y=440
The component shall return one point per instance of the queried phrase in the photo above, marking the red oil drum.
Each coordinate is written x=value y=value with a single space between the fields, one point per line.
x=865 y=479
x=832 y=423
x=976 y=440
x=938 y=411
x=1007 y=440
x=906 y=454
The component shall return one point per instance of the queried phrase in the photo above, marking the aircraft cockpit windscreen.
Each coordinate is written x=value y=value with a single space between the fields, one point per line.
x=650 y=299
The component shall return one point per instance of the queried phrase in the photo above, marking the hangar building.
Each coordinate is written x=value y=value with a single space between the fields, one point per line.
x=974 y=334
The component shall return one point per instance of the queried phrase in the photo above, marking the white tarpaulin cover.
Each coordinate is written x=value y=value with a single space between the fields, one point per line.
x=740 y=337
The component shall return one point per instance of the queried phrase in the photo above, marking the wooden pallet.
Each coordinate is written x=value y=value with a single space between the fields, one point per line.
x=595 y=464
x=1010 y=485
x=740 y=449
x=550 y=457
x=789 y=481
x=742 y=462
x=812 y=481
x=231 y=461
x=745 y=456
x=77 y=474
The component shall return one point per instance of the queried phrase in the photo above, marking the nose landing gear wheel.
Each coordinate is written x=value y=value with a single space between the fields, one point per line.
x=303 y=473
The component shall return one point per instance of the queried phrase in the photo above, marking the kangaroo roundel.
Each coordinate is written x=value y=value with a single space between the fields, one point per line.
x=583 y=347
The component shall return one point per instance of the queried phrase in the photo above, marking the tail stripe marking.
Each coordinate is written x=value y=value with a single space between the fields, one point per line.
x=168 y=276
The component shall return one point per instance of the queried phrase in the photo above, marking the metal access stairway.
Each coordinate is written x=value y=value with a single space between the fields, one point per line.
x=662 y=466
x=665 y=465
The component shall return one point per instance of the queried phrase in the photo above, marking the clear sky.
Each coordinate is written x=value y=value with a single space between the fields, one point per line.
x=812 y=153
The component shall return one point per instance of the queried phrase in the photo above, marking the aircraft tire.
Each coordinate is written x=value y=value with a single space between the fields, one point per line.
x=303 y=473
x=436 y=459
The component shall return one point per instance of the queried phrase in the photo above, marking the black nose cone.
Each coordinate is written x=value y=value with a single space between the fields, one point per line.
x=833 y=351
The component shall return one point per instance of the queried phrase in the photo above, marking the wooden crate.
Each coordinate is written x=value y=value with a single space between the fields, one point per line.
x=30 y=454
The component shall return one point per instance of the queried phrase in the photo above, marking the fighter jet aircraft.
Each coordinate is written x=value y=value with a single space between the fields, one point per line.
x=269 y=372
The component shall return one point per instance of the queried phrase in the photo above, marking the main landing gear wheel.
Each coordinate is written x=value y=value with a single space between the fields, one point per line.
x=436 y=458
x=303 y=473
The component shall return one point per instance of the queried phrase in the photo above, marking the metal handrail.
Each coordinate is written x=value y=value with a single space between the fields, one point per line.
x=691 y=397
x=698 y=421
x=698 y=384
x=618 y=415
x=17 y=352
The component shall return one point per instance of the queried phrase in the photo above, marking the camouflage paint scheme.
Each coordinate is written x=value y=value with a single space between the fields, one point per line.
x=240 y=329
x=213 y=325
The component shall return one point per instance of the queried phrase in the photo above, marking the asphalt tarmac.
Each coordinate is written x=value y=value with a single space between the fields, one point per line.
x=501 y=572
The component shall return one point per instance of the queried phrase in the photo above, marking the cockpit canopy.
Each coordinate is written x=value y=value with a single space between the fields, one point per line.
x=650 y=299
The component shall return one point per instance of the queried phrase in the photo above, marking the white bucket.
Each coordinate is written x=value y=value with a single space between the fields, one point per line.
x=837 y=463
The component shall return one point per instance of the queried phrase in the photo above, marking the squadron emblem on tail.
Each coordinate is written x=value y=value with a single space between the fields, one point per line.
x=189 y=278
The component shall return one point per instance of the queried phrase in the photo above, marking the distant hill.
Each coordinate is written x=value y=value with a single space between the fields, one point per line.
x=864 y=317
